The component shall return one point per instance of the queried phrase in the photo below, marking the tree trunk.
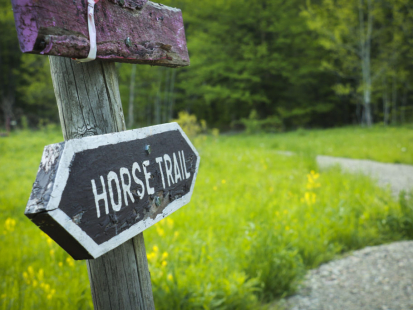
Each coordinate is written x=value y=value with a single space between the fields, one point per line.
x=394 y=101
x=8 y=99
x=148 y=111
x=385 y=102
x=89 y=104
x=365 y=52
x=158 y=99
x=172 y=95
x=404 y=104
x=166 y=96
x=131 y=97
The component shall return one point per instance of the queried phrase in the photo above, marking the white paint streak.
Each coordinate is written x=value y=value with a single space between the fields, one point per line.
x=168 y=168
x=177 y=170
x=137 y=180
x=112 y=176
x=49 y=157
x=148 y=176
x=126 y=186
x=187 y=174
x=103 y=196
x=159 y=161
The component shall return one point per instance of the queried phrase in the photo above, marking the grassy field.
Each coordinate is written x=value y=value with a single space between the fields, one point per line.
x=256 y=222
x=385 y=144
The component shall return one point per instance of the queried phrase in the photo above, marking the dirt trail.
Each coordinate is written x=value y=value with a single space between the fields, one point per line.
x=398 y=176
x=373 y=278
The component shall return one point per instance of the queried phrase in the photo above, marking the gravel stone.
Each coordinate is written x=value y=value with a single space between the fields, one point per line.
x=379 y=277
x=374 y=278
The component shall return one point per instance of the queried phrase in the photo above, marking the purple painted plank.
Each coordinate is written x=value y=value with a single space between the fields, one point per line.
x=132 y=31
x=130 y=4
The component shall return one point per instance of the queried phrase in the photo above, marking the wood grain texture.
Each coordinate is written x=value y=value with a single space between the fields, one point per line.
x=114 y=276
x=87 y=96
x=89 y=104
x=144 y=276
x=133 y=31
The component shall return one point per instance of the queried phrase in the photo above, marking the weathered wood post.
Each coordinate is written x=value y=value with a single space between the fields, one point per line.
x=132 y=31
x=89 y=103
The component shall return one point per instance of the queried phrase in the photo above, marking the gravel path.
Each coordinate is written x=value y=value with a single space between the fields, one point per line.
x=379 y=277
x=398 y=176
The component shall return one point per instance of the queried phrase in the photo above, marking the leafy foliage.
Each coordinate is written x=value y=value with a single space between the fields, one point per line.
x=190 y=125
x=295 y=63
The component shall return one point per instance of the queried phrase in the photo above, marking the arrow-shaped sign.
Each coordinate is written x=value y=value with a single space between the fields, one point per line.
x=93 y=194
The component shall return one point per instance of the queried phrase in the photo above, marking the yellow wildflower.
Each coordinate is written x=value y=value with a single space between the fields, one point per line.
x=310 y=198
x=70 y=262
x=311 y=178
x=46 y=287
x=169 y=222
x=215 y=188
x=26 y=278
x=40 y=275
x=170 y=277
x=223 y=181
x=314 y=175
x=60 y=264
x=9 y=225
x=164 y=263
x=164 y=255
x=52 y=292
x=155 y=248
x=151 y=257
x=160 y=231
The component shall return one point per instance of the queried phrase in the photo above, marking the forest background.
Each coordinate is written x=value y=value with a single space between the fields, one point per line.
x=268 y=65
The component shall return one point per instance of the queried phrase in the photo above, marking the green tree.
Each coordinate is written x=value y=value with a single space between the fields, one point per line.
x=252 y=55
x=365 y=41
x=36 y=94
x=9 y=61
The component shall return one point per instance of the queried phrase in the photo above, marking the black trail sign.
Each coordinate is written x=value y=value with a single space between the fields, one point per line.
x=93 y=194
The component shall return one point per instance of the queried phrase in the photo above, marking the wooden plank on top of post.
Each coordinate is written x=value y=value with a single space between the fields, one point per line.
x=131 y=31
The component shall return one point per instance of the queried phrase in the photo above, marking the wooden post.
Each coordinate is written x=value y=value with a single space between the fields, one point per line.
x=89 y=104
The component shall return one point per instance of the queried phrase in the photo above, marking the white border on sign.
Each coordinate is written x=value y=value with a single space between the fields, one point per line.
x=79 y=145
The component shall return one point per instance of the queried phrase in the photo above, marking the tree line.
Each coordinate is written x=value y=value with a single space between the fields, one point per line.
x=264 y=65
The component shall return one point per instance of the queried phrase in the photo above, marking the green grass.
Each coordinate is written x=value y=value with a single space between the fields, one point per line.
x=256 y=222
x=384 y=144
